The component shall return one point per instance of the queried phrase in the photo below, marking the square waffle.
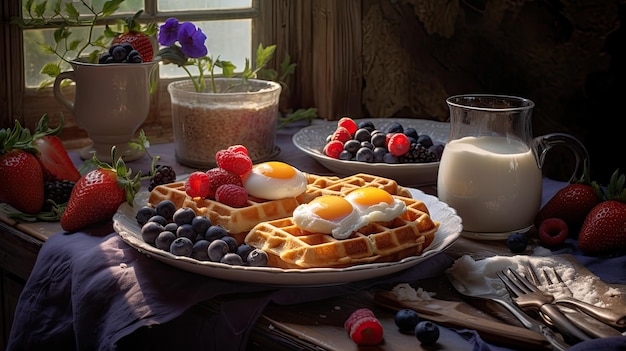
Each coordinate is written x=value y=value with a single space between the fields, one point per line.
x=288 y=246
x=238 y=221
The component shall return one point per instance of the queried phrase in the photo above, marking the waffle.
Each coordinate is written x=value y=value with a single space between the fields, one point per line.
x=288 y=246
x=238 y=221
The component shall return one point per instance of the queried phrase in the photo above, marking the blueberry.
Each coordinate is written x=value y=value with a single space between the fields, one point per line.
x=411 y=133
x=215 y=232
x=367 y=144
x=425 y=140
x=345 y=155
x=118 y=52
x=186 y=231
x=200 y=250
x=379 y=139
x=365 y=155
x=217 y=249
x=232 y=258
x=172 y=227
x=406 y=320
x=352 y=146
x=394 y=127
x=389 y=158
x=128 y=47
x=427 y=332
x=181 y=247
x=379 y=154
x=201 y=224
x=158 y=219
x=183 y=215
x=150 y=231
x=232 y=243
x=105 y=58
x=144 y=214
x=164 y=240
x=257 y=258
x=134 y=57
x=366 y=125
x=362 y=135
x=243 y=250
x=517 y=242
x=166 y=208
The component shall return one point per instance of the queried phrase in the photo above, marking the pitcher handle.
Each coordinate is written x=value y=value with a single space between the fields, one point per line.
x=542 y=144
x=58 y=92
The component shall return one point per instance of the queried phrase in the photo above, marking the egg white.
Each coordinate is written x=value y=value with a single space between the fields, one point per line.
x=305 y=218
x=373 y=211
x=259 y=184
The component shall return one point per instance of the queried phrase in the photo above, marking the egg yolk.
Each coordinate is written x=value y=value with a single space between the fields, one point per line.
x=371 y=196
x=275 y=169
x=331 y=207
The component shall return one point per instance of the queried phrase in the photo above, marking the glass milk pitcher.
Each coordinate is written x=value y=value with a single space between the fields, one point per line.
x=490 y=169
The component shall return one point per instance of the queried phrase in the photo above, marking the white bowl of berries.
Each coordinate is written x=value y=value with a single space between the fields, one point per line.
x=403 y=149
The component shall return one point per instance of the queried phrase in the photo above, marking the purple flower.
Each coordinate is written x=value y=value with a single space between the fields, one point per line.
x=168 y=33
x=192 y=40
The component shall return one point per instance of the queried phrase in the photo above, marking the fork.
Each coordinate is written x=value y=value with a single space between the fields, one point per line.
x=529 y=297
x=605 y=315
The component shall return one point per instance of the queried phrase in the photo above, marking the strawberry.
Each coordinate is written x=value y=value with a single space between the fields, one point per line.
x=604 y=228
x=52 y=155
x=98 y=194
x=572 y=203
x=138 y=37
x=21 y=184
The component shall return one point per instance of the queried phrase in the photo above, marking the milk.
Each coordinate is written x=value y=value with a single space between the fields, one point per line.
x=493 y=183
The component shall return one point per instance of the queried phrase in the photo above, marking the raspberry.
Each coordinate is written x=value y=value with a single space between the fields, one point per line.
x=220 y=176
x=333 y=149
x=341 y=134
x=552 y=232
x=234 y=161
x=197 y=185
x=398 y=144
x=232 y=195
x=349 y=124
x=238 y=148
x=364 y=328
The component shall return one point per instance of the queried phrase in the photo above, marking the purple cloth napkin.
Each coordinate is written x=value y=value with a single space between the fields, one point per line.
x=91 y=292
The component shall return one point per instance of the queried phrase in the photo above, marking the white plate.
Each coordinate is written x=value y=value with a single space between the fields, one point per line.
x=126 y=225
x=312 y=139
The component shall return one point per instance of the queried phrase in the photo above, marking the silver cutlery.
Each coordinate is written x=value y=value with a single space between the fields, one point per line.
x=529 y=297
x=608 y=316
x=555 y=340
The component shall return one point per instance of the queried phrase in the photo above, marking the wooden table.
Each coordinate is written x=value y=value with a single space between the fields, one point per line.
x=316 y=325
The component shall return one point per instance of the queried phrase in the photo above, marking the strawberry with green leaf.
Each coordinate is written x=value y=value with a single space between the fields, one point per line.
x=52 y=155
x=604 y=228
x=136 y=35
x=572 y=203
x=98 y=194
x=21 y=176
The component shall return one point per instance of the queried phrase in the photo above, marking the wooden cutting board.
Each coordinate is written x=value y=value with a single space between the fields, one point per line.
x=455 y=315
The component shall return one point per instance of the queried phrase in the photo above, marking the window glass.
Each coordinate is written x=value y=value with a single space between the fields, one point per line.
x=174 y=5
x=231 y=40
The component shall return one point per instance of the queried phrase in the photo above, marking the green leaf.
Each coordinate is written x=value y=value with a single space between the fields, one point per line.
x=173 y=54
x=57 y=7
x=228 y=68
x=28 y=5
x=40 y=8
x=264 y=55
x=93 y=56
x=109 y=33
x=110 y=7
x=71 y=11
x=46 y=49
x=51 y=69
x=74 y=44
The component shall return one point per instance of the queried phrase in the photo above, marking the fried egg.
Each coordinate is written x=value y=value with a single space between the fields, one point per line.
x=375 y=204
x=328 y=214
x=274 y=180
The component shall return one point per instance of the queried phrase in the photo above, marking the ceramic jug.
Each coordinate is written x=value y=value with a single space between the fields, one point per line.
x=111 y=102
x=490 y=169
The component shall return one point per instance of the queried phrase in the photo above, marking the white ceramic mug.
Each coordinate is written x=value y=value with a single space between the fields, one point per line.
x=490 y=169
x=111 y=103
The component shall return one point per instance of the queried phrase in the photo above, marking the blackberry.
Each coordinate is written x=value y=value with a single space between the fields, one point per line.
x=418 y=154
x=58 y=191
x=162 y=175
